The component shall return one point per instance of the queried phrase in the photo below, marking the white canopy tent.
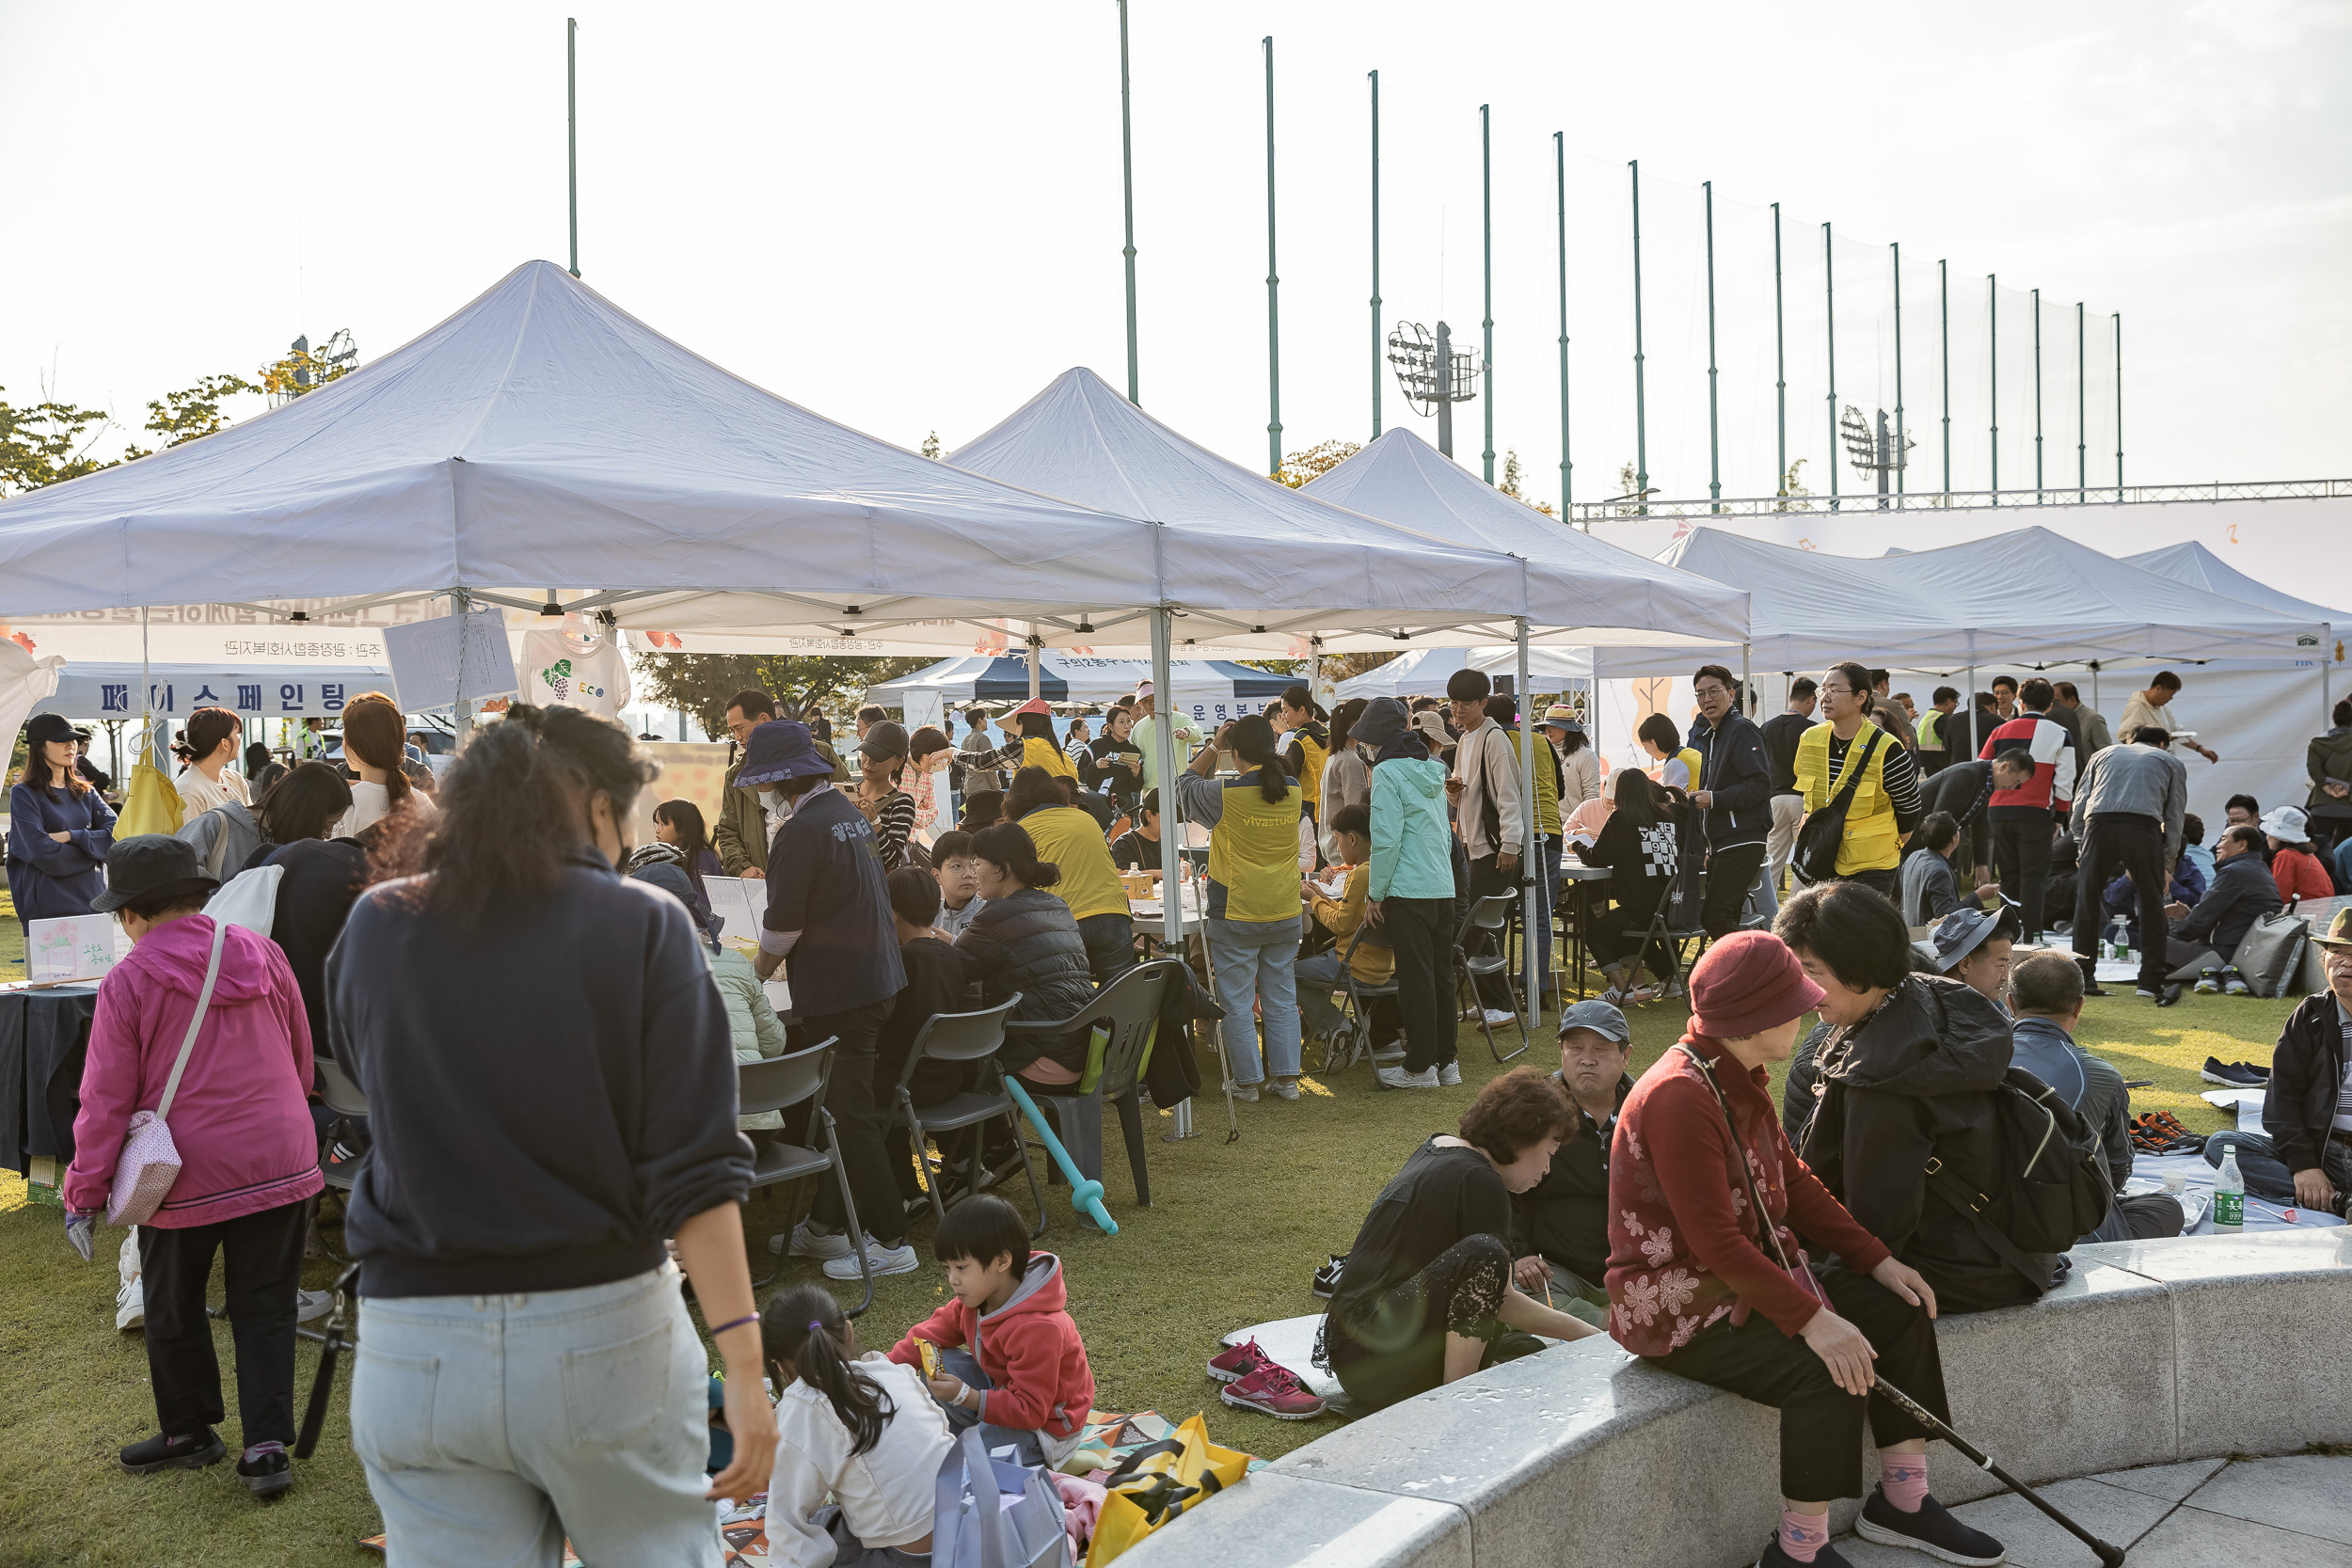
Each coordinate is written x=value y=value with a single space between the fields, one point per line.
x=1210 y=690
x=1424 y=671
x=2191 y=562
x=1593 y=592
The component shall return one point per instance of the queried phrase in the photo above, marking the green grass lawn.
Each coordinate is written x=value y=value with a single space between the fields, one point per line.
x=1234 y=1233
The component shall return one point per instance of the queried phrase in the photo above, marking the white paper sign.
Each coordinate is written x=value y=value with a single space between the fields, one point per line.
x=740 y=903
x=72 y=947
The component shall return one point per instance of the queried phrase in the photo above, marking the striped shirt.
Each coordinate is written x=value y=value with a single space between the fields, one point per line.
x=1901 y=773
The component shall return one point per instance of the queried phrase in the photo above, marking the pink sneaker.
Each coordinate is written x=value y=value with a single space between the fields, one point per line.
x=1233 y=1365
x=1272 y=1390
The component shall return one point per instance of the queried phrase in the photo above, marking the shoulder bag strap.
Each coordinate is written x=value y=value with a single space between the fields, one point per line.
x=196 y=1021
x=1855 y=767
x=1756 y=1199
x=1965 y=1201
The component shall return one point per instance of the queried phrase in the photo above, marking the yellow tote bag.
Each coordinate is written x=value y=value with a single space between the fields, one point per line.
x=150 y=804
x=1159 y=1481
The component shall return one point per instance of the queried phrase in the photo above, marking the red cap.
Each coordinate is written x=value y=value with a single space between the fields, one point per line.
x=1747 y=983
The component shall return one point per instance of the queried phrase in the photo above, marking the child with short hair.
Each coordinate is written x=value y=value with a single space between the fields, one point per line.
x=1010 y=1357
x=957 y=870
x=938 y=979
x=857 y=1426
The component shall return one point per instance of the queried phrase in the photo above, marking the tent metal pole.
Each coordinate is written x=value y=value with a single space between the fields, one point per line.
x=461 y=606
x=1538 y=963
x=1127 y=174
x=1036 y=676
x=1171 y=820
x=1273 y=288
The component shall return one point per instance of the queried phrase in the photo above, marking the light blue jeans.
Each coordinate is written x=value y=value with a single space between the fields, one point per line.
x=1318 y=977
x=1253 y=960
x=492 y=1427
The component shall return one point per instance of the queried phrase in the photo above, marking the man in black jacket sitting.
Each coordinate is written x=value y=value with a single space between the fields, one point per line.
x=2242 y=893
x=1733 y=794
x=2304 y=1151
x=1560 y=1225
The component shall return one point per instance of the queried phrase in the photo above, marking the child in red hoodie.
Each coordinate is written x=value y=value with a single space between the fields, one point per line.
x=1008 y=1356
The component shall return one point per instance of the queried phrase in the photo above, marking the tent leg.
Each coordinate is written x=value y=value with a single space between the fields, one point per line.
x=1532 y=882
x=1035 y=642
x=1172 y=839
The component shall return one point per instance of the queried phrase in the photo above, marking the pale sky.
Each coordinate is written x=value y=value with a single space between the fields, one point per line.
x=907 y=216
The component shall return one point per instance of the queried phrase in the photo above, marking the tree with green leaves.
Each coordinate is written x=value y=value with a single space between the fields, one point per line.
x=48 y=442
x=700 y=684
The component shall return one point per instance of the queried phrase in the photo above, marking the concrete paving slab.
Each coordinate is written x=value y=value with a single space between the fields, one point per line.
x=2172 y=1483
x=2191 y=1538
x=2036 y=1541
x=1276 y=1521
x=2308 y=1493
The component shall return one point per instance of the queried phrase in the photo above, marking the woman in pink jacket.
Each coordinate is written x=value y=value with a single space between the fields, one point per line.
x=249 y=1153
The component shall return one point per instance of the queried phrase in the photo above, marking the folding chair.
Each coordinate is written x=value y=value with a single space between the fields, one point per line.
x=1488 y=917
x=1345 y=1050
x=778 y=1084
x=964 y=1037
x=342 y=1097
x=1121 y=1023
x=1675 y=923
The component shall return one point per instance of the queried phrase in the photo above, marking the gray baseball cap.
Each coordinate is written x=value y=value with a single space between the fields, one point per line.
x=1599 y=1017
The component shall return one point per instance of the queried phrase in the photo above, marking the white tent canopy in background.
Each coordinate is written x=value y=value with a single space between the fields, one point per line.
x=1076 y=678
x=1423 y=673
x=542 y=438
x=1591 y=591
x=2192 y=563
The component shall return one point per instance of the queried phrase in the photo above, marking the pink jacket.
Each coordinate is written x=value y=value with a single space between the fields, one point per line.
x=241 y=1121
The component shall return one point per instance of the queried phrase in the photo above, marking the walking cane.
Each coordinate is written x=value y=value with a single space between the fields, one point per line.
x=322 y=1385
x=2111 y=1556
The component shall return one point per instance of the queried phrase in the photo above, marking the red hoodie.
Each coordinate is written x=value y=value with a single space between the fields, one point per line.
x=1029 y=1348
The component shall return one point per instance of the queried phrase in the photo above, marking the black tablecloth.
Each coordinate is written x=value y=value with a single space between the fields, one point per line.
x=43 y=1037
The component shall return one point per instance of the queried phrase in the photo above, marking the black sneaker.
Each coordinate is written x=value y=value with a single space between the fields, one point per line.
x=191 y=1451
x=2092 y=987
x=266 y=1469
x=1827 y=1556
x=1933 y=1530
x=2172 y=996
x=2256 y=1069
x=1327 y=1276
x=2230 y=1075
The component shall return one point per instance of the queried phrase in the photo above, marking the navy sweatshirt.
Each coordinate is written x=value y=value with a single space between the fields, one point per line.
x=550 y=1094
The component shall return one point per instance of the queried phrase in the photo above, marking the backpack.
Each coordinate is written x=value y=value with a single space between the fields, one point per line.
x=2053 y=1189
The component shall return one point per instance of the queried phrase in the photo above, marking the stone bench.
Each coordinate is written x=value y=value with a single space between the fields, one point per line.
x=2151 y=1353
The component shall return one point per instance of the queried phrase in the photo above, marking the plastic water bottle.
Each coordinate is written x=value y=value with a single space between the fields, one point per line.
x=2229 y=1194
x=2117 y=946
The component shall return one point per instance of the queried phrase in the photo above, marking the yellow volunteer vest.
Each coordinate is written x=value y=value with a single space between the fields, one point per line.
x=1691 y=764
x=1253 y=851
x=1547 y=792
x=1871 y=842
x=1045 y=754
x=1068 y=838
x=1313 y=754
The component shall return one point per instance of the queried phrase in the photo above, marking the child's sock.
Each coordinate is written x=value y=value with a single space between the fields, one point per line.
x=1802 y=1535
x=1903 y=1477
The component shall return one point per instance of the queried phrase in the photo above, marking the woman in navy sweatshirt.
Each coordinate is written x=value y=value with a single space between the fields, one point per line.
x=551 y=1094
x=59 y=828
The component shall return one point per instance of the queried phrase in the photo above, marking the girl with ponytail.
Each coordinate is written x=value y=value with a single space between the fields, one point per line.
x=857 y=1426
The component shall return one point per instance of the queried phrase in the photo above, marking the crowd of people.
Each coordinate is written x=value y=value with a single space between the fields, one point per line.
x=537 y=1007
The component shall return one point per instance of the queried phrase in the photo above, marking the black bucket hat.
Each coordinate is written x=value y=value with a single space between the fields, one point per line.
x=148 y=865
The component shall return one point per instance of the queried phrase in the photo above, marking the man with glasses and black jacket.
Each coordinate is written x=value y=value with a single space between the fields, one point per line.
x=1732 y=795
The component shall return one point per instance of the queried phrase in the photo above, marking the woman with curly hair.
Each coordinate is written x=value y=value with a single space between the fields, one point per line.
x=1426 y=1291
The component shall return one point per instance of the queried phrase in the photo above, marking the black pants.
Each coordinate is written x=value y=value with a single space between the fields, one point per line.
x=1420 y=930
x=858 y=1123
x=1110 y=940
x=262 y=1265
x=1494 y=990
x=1730 y=872
x=2135 y=843
x=1392 y=1348
x=1886 y=881
x=1616 y=936
x=2020 y=854
x=1820 y=1424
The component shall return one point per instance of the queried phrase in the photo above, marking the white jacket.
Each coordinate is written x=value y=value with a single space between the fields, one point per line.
x=887 y=1494
x=1490 y=770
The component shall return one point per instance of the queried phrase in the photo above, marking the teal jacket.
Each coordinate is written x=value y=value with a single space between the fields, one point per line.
x=1412 y=842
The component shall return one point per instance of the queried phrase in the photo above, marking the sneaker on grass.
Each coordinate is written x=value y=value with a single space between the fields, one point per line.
x=898 y=1260
x=129 y=1306
x=2234 y=984
x=311 y=1306
x=1328 y=1277
x=1933 y=1530
x=2209 y=984
x=1242 y=1092
x=266 y=1469
x=1238 y=1361
x=811 y=1239
x=188 y=1451
x=1273 y=1390
x=1498 y=1017
x=1397 y=1078
x=1450 y=1075
x=2231 y=1075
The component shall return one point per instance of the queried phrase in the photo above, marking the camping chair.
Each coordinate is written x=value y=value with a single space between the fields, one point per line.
x=778 y=1084
x=349 y=1107
x=1486 y=918
x=964 y=1037
x=1353 y=1044
x=1120 y=1022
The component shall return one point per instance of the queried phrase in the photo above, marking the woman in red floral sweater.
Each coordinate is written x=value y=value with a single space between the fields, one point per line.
x=1698 y=1286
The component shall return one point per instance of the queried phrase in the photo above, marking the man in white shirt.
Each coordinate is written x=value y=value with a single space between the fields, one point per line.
x=1489 y=816
x=2153 y=708
x=1146 y=735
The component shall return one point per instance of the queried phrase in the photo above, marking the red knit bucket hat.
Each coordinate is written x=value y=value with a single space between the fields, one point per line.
x=1747 y=983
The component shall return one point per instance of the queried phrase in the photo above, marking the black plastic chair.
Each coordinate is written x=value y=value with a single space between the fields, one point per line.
x=964 y=1037
x=1123 y=1020
x=779 y=1085
x=1675 y=924
x=1482 y=930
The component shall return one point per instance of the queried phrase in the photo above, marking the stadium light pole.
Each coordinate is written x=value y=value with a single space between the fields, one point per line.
x=1375 y=255
x=2037 y=396
x=1829 y=279
x=1641 y=402
x=2119 y=405
x=1902 y=443
x=1273 y=289
x=1992 y=359
x=571 y=126
x=1487 y=227
x=2082 y=410
x=1127 y=174
x=1567 y=462
x=1944 y=312
x=1780 y=356
x=1714 y=447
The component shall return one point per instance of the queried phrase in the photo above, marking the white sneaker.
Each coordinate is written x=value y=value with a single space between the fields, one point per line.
x=129 y=1306
x=1387 y=1055
x=1397 y=1078
x=808 y=1241
x=898 y=1259
x=1242 y=1091
x=311 y=1306
x=1497 y=1018
x=1450 y=1075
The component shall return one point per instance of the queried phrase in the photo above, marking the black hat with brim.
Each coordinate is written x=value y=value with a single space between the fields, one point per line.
x=150 y=866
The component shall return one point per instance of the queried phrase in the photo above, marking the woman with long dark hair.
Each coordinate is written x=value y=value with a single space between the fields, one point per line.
x=375 y=742
x=59 y=828
x=319 y=879
x=551 y=1095
x=1026 y=941
x=881 y=762
x=853 y=1425
x=678 y=841
x=1253 y=914
x=1640 y=844
x=1089 y=881
x=304 y=804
